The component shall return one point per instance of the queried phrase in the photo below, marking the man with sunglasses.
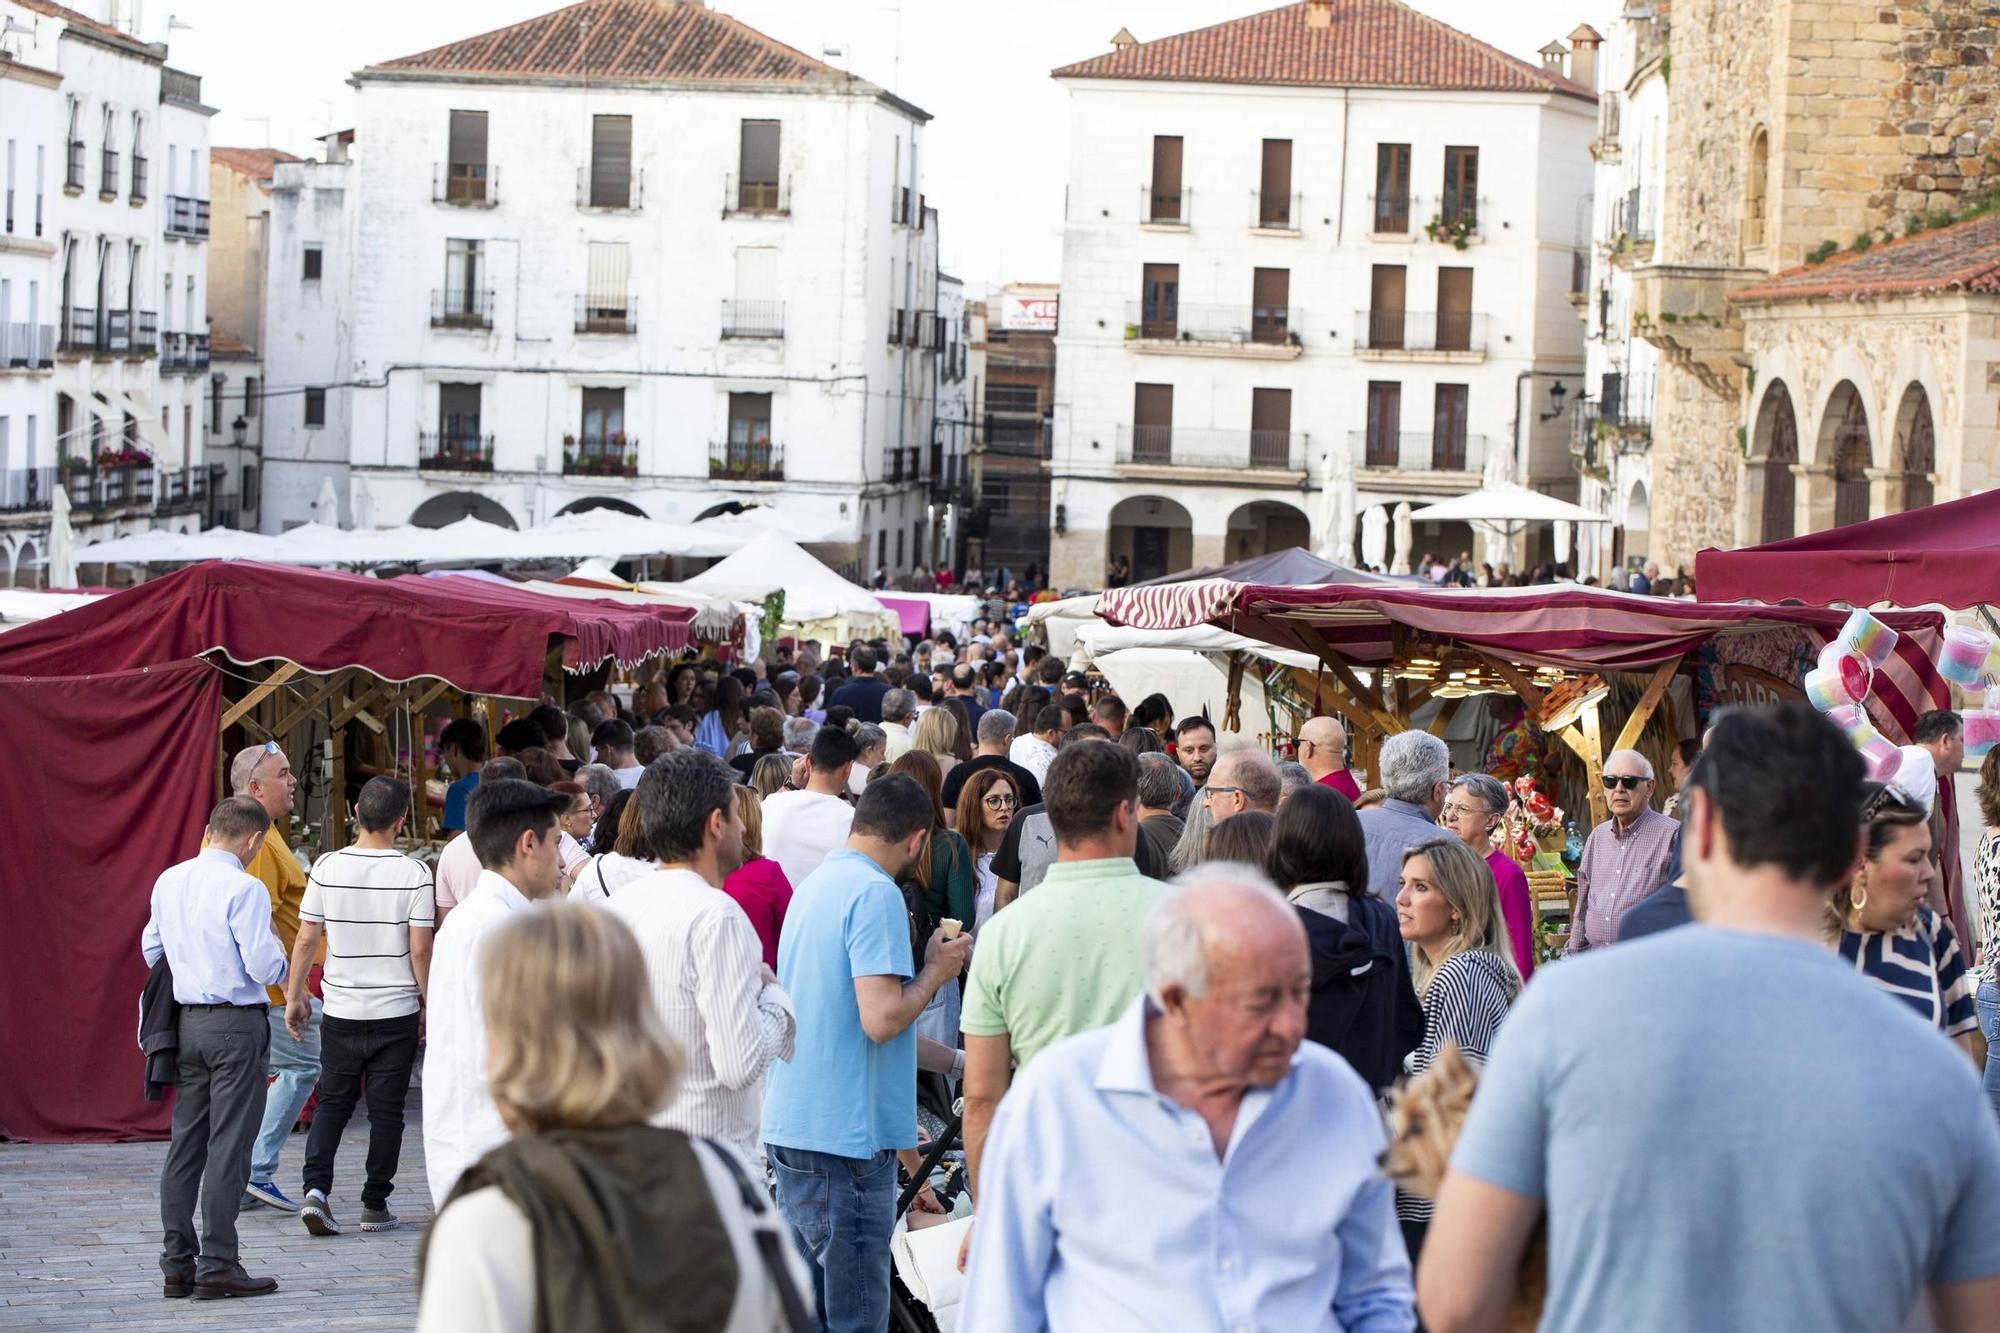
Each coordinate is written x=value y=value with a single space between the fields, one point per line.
x=1626 y=857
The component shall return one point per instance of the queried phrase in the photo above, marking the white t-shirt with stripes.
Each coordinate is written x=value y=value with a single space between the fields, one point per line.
x=367 y=901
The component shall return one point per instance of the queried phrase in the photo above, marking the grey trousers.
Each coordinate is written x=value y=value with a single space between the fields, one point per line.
x=218 y=1104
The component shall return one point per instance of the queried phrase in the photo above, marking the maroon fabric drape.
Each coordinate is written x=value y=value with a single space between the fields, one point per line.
x=108 y=781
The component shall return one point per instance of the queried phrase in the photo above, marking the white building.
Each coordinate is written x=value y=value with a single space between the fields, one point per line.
x=1614 y=424
x=1322 y=246
x=122 y=191
x=643 y=257
x=950 y=464
x=31 y=111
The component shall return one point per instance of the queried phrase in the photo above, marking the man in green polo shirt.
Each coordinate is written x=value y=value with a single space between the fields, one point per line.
x=1065 y=958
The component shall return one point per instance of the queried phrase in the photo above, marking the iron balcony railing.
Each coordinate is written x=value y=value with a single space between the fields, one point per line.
x=1204 y=447
x=754 y=319
x=1420 y=451
x=460 y=308
x=756 y=198
x=1635 y=220
x=27 y=346
x=454 y=451
x=1275 y=212
x=604 y=313
x=111 y=487
x=1419 y=331
x=79 y=330
x=744 y=460
x=1392 y=214
x=185 y=352
x=189 y=486
x=1173 y=321
x=26 y=488
x=594 y=457
x=466 y=184
x=187 y=217
x=1166 y=208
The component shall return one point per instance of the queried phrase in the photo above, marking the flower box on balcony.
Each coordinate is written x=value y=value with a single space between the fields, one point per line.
x=123 y=458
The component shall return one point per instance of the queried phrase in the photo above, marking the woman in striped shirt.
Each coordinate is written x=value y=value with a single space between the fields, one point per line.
x=1464 y=969
x=1882 y=924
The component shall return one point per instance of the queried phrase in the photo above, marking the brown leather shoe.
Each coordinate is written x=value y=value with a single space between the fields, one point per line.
x=176 y=1286
x=238 y=1283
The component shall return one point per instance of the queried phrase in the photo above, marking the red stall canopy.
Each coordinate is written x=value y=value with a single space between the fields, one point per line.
x=1947 y=554
x=484 y=638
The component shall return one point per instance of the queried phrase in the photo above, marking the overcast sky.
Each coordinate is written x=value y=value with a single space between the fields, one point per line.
x=998 y=150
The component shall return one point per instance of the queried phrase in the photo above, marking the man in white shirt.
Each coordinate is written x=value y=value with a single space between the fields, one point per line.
x=211 y=921
x=1035 y=750
x=458 y=864
x=899 y=711
x=718 y=1000
x=512 y=826
x=802 y=827
x=374 y=907
x=613 y=742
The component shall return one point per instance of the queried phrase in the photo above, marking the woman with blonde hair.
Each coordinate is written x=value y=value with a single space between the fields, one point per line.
x=1463 y=964
x=936 y=734
x=759 y=885
x=588 y=1217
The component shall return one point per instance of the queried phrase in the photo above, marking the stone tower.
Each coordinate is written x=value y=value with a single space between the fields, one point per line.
x=1793 y=123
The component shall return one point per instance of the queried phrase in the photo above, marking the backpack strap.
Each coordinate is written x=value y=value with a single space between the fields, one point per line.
x=769 y=1242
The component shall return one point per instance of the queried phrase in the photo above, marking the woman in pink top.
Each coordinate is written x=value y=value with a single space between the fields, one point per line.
x=1475 y=807
x=758 y=885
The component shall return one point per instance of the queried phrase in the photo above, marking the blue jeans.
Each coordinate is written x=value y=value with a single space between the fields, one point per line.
x=294 y=1070
x=842 y=1211
x=1988 y=1000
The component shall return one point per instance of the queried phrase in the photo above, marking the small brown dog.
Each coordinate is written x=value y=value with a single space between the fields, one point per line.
x=1424 y=1122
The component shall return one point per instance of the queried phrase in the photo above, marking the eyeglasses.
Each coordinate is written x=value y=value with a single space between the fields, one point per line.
x=1001 y=802
x=1625 y=781
x=1452 y=811
x=1208 y=793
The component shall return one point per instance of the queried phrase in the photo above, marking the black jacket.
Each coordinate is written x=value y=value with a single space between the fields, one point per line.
x=159 y=1030
x=1364 y=1006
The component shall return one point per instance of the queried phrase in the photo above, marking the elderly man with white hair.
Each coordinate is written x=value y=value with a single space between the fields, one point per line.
x=1416 y=770
x=1626 y=857
x=1147 y=1174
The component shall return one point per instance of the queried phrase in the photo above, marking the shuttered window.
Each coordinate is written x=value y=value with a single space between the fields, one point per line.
x=1275 y=204
x=1385 y=422
x=1152 y=423
x=608 y=284
x=1448 y=418
x=1270 y=427
x=1454 y=313
x=465 y=178
x=1160 y=301
x=1387 y=289
x=603 y=420
x=1166 y=200
x=1392 y=187
x=1461 y=185
x=750 y=420
x=611 y=162
x=1271 y=295
x=758 y=166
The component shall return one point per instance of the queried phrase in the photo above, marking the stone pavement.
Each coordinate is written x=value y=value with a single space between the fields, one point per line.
x=80 y=1242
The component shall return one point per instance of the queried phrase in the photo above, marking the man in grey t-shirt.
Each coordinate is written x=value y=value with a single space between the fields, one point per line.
x=1728 y=1127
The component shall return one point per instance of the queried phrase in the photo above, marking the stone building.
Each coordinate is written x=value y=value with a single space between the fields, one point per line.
x=1795 y=128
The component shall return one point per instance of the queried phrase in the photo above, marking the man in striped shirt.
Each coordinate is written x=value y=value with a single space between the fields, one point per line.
x=374 y=906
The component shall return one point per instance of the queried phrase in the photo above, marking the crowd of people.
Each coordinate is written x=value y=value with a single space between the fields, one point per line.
x=707 y=968
x=1461 y=571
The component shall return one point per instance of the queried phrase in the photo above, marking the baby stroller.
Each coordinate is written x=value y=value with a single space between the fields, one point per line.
x=908 y=1313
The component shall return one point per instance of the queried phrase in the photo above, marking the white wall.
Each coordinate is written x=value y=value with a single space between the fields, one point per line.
x=307 y=340
x=31 y=163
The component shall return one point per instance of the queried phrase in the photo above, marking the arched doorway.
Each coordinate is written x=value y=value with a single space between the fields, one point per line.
x=591 y=502
x=1153 y=533
x=443 y=510
x=1844 y=441
x=1264 y=526
x=1915 y=455
x=27 y=560
x=1778 y=442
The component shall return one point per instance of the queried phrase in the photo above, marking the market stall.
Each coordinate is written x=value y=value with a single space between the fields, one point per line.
x=819 y=603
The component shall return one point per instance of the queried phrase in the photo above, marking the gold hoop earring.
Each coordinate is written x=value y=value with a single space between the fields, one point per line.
x=1858 y=896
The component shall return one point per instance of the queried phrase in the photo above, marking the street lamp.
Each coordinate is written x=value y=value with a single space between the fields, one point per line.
x=238 y=430
x=1558 y=394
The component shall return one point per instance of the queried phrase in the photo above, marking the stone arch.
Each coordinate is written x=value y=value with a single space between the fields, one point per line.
x=1776 y=441
x=1913 y=452
x=730 y=507
x=1155 y=534
x=591 y=502
x=1263 y=526
x=1638 y=515
x=25 y=556
x=442 y=510
x=1846 y=447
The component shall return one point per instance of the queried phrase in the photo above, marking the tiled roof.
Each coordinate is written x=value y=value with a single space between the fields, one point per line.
x=256 y=163
x=1368 y=44
x=1964 y=257
x=74 y=19
x=631 y=40
x=222 y=344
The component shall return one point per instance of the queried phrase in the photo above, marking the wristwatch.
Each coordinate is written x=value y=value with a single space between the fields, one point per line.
x=957 y=1065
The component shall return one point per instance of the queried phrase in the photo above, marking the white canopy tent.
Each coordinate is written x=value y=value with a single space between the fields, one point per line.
x=1505 y=508
x=819 y=604
x=20 y=606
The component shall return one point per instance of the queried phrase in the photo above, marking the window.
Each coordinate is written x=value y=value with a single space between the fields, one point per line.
x=1166 y=202
x=215 y=392
x=1392 y=187
x=251 y=393
x=1454 y=312
x=611 y=162
x=607 y=296
x=458 y=418
x=1387 y=318
x=249 y=491
x=1274 y=205
x=12 y=151
x=466 y=169
x=315 y=407
x=1271 y=428
x=1756 y=183
x=899 y=548
x=749 y=421
x=1271 y=305
x=1160 y=301
x=1385 y=420
x=464 y=271
x=603 y=420
x=1448 y=414
x=1461 y=186
x=757 y=171
x=756 y=312
x=312 y=263
x=41 y=166
x=1152 y=423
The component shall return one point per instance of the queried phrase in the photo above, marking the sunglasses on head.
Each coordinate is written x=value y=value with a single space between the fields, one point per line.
x=1626 y=781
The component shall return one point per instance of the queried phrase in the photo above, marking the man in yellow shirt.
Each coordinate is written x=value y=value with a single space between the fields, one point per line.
x=262 y=773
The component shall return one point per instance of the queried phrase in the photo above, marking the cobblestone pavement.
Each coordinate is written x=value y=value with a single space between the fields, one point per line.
x=80 y=1243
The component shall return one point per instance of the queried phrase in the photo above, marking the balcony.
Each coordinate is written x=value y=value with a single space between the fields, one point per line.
x=458 y=309
x=454 y=451
x=183 y=353
x=1419 y=335
x=25 y=489
x=1419 y=451
x=187 y=218
x=79 y=330
x=185 y=489
x=1632 y=228
x=27 y=346
x=466 y=184
x=139 y=173
x=1391 y=216
x=1259 y=332
x=145 y=340
x=73 y=177
x=107 y=180
x=611 y=193
x=1625 y=427
x=114 y=331
x=746 y=461
x=1605 y=147
x=1172 y=210
x=1211 y=449
x=1275 y=214
x=123 y=486
x=178 y=85
x=896 y=322
x=615 y=456
x=1684 y=310
x=758 y=319
x=607 y=314
x=756 y=198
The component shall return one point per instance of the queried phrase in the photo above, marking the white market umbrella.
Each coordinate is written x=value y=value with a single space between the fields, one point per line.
x=59 y=571
x=327 y=509
x=1375 y=536
x=1564 y=531
x=1401 y=564
x=361 y=503
x=1506 y=504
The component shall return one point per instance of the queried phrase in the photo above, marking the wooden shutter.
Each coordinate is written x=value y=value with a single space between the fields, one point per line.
x=1387 y=294
x=1276 y=207
x=1448 y=410
x=611 y=162
x=468 y=138
x=608 y=283
x=1271 y=302
x=1270 y=427
x=1159 y=304
x=1385 y=420
x=760 y=152
x=1166 y=200
x=1152 y=423
x=1454 y=312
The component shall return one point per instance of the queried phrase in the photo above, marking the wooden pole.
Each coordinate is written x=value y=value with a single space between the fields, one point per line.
x=1642 y=713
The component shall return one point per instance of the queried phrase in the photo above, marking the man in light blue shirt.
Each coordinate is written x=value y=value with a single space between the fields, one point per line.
x=1727 y=1126
x=211 y=921
x=1197 y=1165
x=836 y=1113
x=1415 y=771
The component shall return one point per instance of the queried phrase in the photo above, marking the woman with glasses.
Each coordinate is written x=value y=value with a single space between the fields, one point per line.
x=1882 y=924
x=986 y=806
x=1474 y=809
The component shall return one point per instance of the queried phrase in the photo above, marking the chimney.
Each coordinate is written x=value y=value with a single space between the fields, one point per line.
x=1319 y=13
x=1124 y=40
x=1554 y=56
x=1584 y=43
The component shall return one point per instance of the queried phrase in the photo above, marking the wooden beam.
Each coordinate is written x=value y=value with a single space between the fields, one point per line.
x=1514 y=676
x=355 y=710
x=271 y=684
x=322 y=691
x=424 y=700
x=1368 y=698
x=1445 y=714
x=1642 y=712
x=1593 y=761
